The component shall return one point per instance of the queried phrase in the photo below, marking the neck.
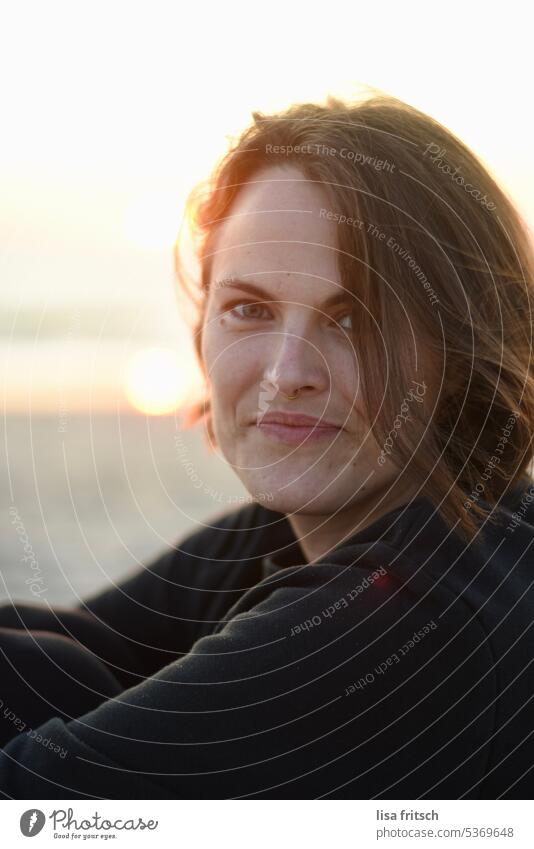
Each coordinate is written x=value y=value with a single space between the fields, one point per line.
x=319 y=534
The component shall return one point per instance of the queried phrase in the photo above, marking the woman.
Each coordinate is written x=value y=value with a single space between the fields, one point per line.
x=362 y=628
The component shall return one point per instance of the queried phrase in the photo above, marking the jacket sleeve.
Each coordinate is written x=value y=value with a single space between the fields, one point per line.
x=310 y=688
x=158 y=611
x=135 y=627
x=144 y=612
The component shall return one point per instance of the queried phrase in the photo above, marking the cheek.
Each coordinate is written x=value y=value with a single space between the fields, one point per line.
x=215 y=349
x=228 y=366
x=345 y=373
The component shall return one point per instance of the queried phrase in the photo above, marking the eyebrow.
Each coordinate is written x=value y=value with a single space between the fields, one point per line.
x=341 y=297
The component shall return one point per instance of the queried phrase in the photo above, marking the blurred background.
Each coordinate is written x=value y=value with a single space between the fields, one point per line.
x=111 y=113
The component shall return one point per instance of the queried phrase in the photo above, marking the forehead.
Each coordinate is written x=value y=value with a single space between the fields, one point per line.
x=277 y=222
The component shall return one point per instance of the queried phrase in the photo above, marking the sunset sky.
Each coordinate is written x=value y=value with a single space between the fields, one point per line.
x=112 y=111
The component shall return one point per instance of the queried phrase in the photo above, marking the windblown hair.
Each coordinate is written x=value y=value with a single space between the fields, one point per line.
x=453 y=272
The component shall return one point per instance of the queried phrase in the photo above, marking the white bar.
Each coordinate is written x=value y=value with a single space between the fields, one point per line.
x=271 y=824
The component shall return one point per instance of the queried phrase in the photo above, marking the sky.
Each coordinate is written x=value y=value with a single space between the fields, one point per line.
x=113 y=111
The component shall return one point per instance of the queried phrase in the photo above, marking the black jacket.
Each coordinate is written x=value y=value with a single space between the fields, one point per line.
x=400 y=667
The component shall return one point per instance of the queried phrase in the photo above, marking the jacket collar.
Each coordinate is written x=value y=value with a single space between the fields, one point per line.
x=403 y=528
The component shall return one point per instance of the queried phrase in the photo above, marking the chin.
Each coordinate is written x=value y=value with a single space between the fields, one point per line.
x=294 y=499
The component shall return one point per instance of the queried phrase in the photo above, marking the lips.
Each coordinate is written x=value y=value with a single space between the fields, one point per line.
x=297 y=420
x=296 y=428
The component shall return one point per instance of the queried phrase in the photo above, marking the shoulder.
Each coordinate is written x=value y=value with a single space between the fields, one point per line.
x=365 y=599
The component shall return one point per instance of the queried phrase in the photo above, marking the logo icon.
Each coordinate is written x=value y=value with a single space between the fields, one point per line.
x=269 y=388
x=31 y=822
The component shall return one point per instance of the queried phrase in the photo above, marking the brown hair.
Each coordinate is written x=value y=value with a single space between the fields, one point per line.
x=454 y=266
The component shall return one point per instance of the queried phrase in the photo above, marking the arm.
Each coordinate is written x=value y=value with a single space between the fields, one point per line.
x=150 y=618
x=159 y=611
x=253 y=711
x=144 y=612
x=132 y=627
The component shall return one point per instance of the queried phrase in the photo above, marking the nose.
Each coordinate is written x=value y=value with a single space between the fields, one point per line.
x=297 y=366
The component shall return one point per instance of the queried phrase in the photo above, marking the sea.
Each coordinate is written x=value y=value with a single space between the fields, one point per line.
x=90 y=499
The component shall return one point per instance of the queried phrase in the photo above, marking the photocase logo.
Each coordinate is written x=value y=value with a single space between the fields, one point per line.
x=269 y=388
x=31 y=822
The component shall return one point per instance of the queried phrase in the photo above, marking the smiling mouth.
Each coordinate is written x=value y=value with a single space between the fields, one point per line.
x=293 y=419
x=296 y=434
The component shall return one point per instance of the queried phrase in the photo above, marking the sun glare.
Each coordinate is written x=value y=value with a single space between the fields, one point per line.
x=152 y=222
x=158 y=381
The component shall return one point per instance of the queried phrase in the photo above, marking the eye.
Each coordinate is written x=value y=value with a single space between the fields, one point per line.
x=249 y=308
x=338 y=322
x=256 y=311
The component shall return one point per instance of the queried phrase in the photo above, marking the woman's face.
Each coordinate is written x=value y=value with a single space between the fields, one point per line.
x=287 y=335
